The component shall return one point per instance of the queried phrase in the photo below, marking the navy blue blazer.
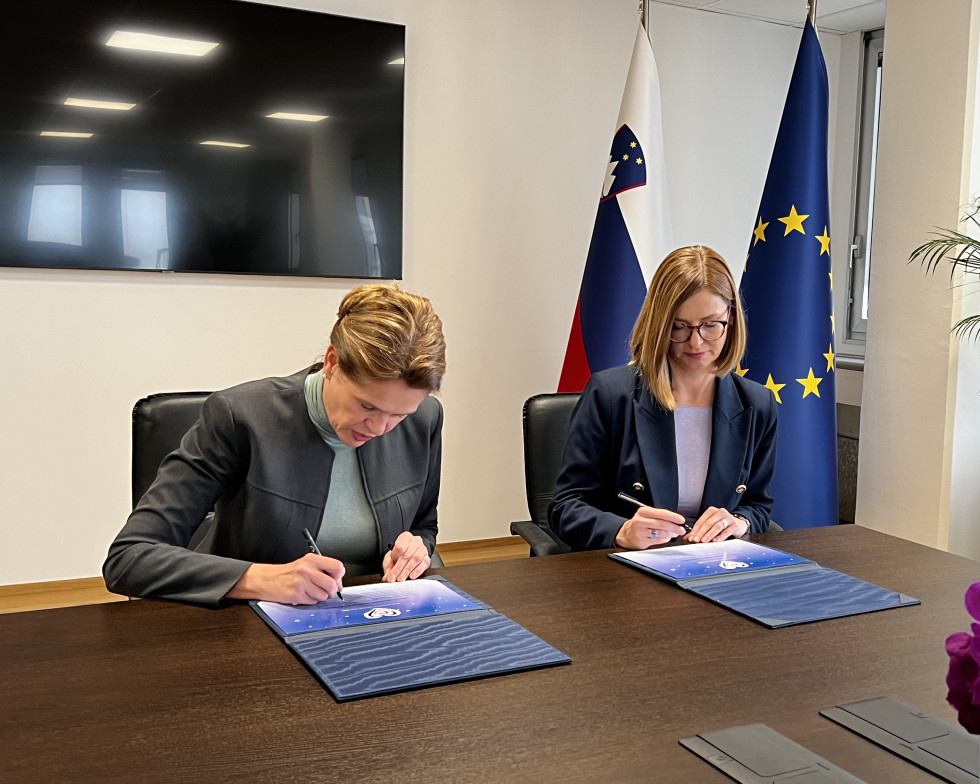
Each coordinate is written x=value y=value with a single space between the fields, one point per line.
x=622 y=440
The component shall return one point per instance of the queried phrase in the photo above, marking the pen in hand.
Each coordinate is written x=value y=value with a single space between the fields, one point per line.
x=314 y=549
x=636 y=502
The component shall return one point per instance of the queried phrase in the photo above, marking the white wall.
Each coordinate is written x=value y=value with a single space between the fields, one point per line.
x=964 y=531
x=511 y=107
x=724 y=82
x=917 y=398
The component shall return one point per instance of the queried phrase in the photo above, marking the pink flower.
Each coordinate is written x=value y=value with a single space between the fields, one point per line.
x=963 y=678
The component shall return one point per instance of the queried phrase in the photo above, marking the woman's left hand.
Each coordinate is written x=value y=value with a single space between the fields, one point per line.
x=408 y=559
x=715 y=524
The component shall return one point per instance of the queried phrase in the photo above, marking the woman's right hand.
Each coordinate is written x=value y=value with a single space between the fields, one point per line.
x=649 y=526
x=307 y=580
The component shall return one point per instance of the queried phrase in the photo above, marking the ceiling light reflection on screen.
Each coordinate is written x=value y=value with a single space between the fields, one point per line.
x=399 y=61
x=298 y=116
x=67 y=134
x=87 y=103
x=146 y=42
x=217 y=143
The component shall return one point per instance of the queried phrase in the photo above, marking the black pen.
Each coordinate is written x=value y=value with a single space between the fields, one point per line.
x=315 y=549
x=629 y=499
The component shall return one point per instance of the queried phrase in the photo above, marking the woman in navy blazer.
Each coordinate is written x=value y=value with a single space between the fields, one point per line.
x=677 y=430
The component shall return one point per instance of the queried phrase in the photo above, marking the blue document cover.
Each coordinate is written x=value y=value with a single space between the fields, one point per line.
x=771 y=587
x=393 y=637
x=701 y=560
x=367 y=604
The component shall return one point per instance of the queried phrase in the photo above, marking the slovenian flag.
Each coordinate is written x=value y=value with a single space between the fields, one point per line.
x=631 y=234
x=787 y=290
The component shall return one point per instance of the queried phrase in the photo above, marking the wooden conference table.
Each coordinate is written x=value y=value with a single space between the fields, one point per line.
x=150 y=691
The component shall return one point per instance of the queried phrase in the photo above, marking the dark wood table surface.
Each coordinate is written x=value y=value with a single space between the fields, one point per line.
x=150 y=691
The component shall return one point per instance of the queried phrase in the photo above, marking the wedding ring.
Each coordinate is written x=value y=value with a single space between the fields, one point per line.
x=724 y=524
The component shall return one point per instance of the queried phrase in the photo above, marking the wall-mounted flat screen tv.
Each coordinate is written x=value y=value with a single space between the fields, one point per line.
x=200 y=135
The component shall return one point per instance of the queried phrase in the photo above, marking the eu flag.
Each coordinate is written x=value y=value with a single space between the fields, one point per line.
x=787 y=292
x=631 y=234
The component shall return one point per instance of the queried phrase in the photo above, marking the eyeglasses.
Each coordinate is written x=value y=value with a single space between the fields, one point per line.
x=710 y=330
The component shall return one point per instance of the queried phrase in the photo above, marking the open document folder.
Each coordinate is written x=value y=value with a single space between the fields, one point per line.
x=392 y=637
x=767 y=585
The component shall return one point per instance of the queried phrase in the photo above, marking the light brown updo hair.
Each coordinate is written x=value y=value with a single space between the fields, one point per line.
x=384 y=333
x=684 y=272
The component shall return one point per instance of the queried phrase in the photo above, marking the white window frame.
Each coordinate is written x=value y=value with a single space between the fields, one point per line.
x=853 y=331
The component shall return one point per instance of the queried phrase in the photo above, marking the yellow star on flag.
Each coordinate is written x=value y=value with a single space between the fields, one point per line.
x=831 y=280
x=773 y=387
x=810 y=384
x=639 y=160
x=830 y=359
x=824 y=242
x=626 y=156
x=760 y=232
x=833 y=328
x=632 y=144
x=794 y=221
x=741 y=370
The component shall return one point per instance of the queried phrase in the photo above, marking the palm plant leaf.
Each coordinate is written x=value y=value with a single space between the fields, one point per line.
x=968 y=328
x=961 y=251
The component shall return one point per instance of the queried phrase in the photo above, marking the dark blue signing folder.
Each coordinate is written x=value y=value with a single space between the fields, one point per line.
x=392 y=637
x=769 y=586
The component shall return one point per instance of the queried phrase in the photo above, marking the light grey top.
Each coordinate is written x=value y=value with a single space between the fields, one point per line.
x=692 y=431
x=347 y=530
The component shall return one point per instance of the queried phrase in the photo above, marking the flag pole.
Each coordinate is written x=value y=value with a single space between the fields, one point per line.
x=644 y=10
x=811 y=9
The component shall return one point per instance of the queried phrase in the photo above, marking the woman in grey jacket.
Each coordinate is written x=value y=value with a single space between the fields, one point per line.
x=349 y=450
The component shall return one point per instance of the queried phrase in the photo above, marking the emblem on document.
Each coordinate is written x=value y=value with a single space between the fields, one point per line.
x=382 y=612
x=733 y=565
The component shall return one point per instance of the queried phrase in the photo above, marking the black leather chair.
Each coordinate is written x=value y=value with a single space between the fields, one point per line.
x=545 y=432
x=159 y=423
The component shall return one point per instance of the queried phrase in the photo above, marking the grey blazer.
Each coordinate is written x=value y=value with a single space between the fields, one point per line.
x=255 y=457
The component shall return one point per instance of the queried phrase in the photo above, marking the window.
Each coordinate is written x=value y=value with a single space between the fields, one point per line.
x=56 y=205
x=856 y=321
x=143 y=209
x=373 y=257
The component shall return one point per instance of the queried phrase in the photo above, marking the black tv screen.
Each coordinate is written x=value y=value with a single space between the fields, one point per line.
x=269 y=143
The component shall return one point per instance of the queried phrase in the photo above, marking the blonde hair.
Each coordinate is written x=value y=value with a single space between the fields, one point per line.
x=684 y=272
x=384 y=333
